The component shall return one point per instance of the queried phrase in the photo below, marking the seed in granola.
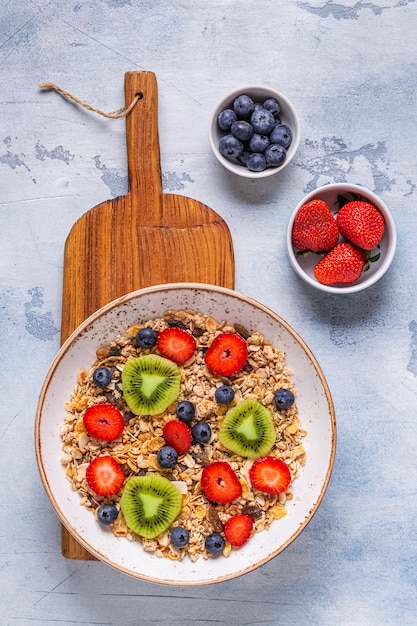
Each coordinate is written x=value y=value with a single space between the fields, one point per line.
x=252 y=510
x=242 y=331
x=177 y=323
x=114 y=350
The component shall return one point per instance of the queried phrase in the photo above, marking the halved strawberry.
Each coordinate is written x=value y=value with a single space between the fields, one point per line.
x=238 y=528
x=220 y=483
x=270 y=475
x=178 y=435
x=103 y=421
x=105 y=476
x=176 y=344
x=227 y=354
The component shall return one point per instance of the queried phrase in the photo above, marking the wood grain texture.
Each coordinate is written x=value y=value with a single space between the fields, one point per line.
x=144 y=238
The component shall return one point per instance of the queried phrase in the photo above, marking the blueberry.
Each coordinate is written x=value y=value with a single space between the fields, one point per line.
x=167 y=457
x=230 y=147
x=242 y=130
x=275 y=154
x=102 y=376
x=272 y=104
x=179 y=537
x=185 y=411
x=284 y=399
x=226 y=118
x=146 y=338
x=107 y=514
x=243 y=106
x=262 y=121
x=201 y=432
x=243 y=157
x=214 y=544
x=224 y=394
x=281 y=134
x=256 y=162
x=258 y=143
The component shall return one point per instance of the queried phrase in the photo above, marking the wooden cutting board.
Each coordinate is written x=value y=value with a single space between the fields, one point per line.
x=144 y=238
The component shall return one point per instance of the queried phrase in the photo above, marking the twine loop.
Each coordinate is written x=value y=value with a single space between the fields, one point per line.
x=123 y=112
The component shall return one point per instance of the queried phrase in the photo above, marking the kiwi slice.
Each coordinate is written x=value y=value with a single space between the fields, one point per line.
x=248 y=429
x=150 y=504
x=150 y=383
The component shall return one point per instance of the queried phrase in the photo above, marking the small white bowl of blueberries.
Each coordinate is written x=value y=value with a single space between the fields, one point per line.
x=254 y=132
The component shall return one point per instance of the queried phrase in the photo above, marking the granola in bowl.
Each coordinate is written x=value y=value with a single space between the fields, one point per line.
x=136 y=449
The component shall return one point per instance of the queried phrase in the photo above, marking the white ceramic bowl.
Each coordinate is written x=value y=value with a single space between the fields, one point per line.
x=288 y=116
x=314 y=404
x=304 y=264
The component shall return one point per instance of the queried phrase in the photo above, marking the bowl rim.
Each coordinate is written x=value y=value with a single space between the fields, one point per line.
x=211 y=289
x=214 y=131
x=390 y=230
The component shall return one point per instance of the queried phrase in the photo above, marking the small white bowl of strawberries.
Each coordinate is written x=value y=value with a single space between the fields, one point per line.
x=341 y=238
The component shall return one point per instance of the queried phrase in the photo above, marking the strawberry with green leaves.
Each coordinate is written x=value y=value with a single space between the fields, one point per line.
x=315 y=228
x=342 y=265
x=361 y=223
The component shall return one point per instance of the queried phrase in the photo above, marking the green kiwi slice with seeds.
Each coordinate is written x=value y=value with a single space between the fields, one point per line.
x=150 y=384
x=248 y=429
x=150 y=504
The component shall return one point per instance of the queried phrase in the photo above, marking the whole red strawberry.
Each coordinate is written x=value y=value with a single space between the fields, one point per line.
x=220 y=483
x=342 y=265
x=178 y=435
x=103 y=421
x=227 y=354
x=315 y=228
x=361 y=223
x=238 y=528
x=105 y=476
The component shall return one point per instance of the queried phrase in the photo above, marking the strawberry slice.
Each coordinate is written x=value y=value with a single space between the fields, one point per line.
x=270 y=475
x=104 y=421
x=238 y=528
x=177 y=435
x=220 y=483
x=176 y=344
x=227 y=354
x=105 y=476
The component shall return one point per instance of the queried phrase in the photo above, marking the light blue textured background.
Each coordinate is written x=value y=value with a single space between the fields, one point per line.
x=350 y=69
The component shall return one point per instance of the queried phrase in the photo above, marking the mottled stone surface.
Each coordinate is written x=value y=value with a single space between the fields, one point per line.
x=349 y=68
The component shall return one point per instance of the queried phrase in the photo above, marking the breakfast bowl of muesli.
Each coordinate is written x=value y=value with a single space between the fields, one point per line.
x=185 y=434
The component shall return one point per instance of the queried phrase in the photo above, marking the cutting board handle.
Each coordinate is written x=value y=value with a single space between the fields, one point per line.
x=143 y=153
